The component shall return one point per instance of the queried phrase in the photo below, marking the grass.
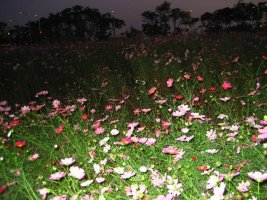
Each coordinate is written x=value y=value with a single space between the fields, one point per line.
x=115 y=78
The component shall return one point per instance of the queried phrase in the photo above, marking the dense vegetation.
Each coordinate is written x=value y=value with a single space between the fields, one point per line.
x=164 y=118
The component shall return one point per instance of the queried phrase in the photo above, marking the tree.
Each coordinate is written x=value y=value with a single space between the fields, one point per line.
x=175 y=16
x=163 y=12
x=151 y=23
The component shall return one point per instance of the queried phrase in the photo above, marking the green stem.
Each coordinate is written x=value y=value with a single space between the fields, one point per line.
x=258 y=189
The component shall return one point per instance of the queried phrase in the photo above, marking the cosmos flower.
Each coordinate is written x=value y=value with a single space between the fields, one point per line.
x=43 y=192
x=212 y=151
x=211 y=134
x=169 y=82
x=235 y=59
x=86 y=183
x=218 y=192
x=100 y=179
x=60 y=129
x=243 y=186
x=99 y=131
x=226 y=85
x=150 y=141
x=25 y=109
x=127 y=175
x=67 y=161
x=77 y=172
x=263 y=133
x=170 y=150
x=119 y=170
x=152 y=90
x=143 y=169
x=33 y=157
x=20 y=144
x=258 y=176
x=175 y=188
x=199 y=78
x=61 y=197
x=56 y=103
x=57 y=176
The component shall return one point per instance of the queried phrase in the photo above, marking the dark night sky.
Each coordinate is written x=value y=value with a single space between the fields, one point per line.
x=128 y=10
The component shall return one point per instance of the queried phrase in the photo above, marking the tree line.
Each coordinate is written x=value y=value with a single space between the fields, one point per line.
x=69 y=24
x=84 y=22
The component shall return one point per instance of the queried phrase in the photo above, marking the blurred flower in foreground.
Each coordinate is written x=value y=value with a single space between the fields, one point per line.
x=258 y=176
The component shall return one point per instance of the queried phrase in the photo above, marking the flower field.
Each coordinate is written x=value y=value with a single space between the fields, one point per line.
x=164 y=119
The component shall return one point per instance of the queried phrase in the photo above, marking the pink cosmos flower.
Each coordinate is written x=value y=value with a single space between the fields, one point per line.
x=108 y=107
x=118 y=107
x=150 y=141
x=77 y=172
x=67 y=161
x=243 y=186
x=161 y=101
x=81 y=100
x=211 y=134
x=226 y=85
x=60 y=129
x=170 y=150
x=187 y=76
x=169 y=82
x=263 y=133
x=133 y=125
x=225 y=98
x=61 y=197
x=178 y=156
x=57 y=176
x=197 y=116
x=199 y=78
x=235 y=59
x=152 y=90
x=142 y=140
x=182 y=109
x=146 y=110
x=25 y=109
x=126 y=140
x=157 y=180
x=33 y=157
x=165 y=124
x=93 y=111
x=258 y=176
x=137 y=111
x=56 y=103
x=41 y=93
x=168 y=197
x=99 y=131
x=43 y=192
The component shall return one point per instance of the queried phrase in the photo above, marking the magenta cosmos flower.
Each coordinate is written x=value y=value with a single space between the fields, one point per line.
x=258 y=176
x=170 y=150
x=226 y=85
